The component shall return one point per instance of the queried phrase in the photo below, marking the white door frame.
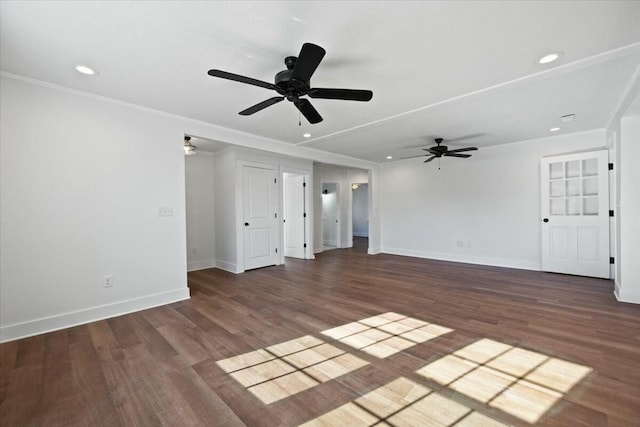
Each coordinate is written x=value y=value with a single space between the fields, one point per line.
x=308 y=206
x=338 y=212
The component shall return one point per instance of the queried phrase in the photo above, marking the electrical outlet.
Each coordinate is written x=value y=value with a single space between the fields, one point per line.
x=107 y=281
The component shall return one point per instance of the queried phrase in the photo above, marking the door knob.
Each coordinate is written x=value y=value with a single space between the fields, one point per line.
x=545 y=220
x=246 y=224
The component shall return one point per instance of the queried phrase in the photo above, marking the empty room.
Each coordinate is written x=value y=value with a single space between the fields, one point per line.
x=319 y=213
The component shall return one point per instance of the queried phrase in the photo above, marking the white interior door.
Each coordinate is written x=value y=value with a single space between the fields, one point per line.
x=575 y=214
x=259 y=217
x=294 y=215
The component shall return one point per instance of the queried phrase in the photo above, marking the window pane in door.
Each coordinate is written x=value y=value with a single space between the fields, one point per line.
x=556 y=188
x=573 y=169
x=590 y=167
x=573 y=187
x=556 y=206
x=573 y=206
x=556 y=170
x=590 y=206
x=590 y=186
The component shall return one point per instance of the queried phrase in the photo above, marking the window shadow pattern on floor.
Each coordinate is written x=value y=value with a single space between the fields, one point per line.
x=497 y=377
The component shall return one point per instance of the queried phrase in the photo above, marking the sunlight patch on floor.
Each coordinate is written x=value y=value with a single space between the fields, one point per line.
x=520 y=382
x=288 y=368
x=403 y=402
x=387 y=334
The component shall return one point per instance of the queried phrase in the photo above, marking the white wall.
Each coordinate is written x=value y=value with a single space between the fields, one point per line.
x=360 y=204
x=628 y=258
x=200 y=214
x=485 y=209
x=81 y=181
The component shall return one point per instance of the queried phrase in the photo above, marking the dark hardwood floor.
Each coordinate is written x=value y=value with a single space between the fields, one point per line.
x=425 y=343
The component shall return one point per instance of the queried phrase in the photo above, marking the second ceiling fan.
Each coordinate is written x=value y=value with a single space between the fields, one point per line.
x=438 y=151
x=294 y=82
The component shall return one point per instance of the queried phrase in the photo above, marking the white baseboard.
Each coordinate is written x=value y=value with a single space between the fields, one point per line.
x=201 y=265
x=318 y=250
x=360 y=234
x=228 y=266
x=633 y=299
x=468 y=259
x=374 y=251
x=88 y=315
x=347 y=244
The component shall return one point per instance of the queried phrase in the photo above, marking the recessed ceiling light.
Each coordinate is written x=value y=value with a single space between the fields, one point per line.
x=307 y=135
x=550 y=57
x=389 y=157
x=554 y=129
x=85 y=70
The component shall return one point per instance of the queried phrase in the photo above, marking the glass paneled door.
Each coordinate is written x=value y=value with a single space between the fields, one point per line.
x=575 y=214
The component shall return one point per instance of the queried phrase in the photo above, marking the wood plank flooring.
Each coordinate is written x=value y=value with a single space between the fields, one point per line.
x=347 y=339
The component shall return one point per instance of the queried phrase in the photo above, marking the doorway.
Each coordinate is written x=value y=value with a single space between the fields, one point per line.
x=330 y=209
x=360 y=215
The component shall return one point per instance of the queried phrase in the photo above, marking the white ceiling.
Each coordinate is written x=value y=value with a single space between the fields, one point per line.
x=449 y=69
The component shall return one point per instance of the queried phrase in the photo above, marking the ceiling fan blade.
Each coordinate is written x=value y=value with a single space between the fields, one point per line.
x=261 y=105
x=464 y=156
x=307 y=62
x=344 y=94
x=308 y=111
x=241 y=79
x=429 y=159
x=460 y=150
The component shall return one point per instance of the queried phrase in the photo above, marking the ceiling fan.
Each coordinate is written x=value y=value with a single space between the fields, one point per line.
x=295 y=82
x=438 y=151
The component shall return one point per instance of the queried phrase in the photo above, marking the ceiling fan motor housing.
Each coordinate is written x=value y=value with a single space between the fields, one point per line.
x=291 y=88
x=439 y=150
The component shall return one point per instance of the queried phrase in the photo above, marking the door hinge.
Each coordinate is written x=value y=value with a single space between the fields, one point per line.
x=304 y=215
x=612 y=260
x=304 y=184
x=275 y=180
x=276 y=215
x=610 y=166
x=305 y=245
x=276 y=250
x=610 y=213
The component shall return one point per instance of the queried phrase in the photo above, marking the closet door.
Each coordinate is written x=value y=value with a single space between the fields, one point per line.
x=259 y=217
